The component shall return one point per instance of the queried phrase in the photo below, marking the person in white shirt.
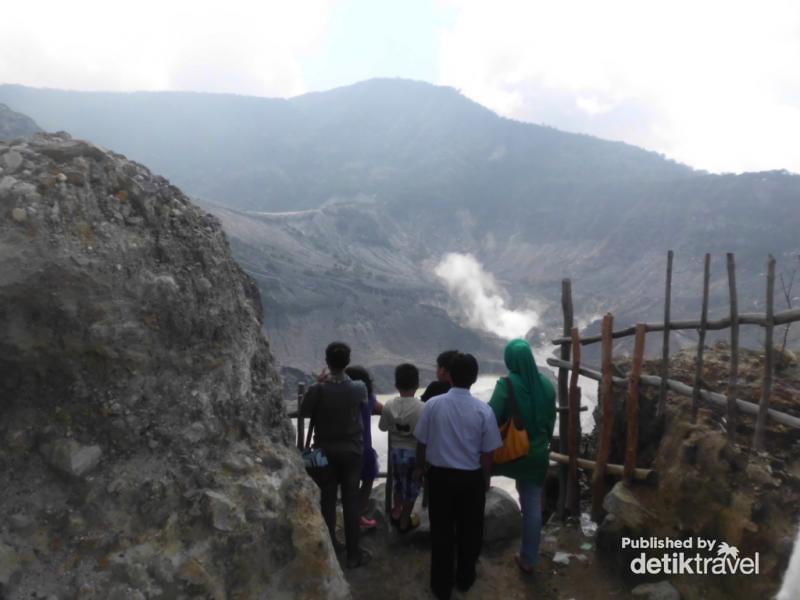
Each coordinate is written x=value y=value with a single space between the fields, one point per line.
x=457 y=435
x=399 y=417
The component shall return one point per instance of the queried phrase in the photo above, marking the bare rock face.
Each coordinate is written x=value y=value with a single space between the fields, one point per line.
x=144 y=446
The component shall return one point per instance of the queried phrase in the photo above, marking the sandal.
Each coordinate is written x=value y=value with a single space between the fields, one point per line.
x=368 y=523
x=528 y=570
x=363 y=558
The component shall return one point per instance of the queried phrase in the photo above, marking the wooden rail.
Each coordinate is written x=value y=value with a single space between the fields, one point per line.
x=648 y=475
x=686 y=390
x=780 y=318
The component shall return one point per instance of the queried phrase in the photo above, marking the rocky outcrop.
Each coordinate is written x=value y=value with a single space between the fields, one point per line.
x=707 y=485
x=15 y=125
x=145 y=449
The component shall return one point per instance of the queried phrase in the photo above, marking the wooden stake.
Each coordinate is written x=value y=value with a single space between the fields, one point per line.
x=607 y=404
x=301 y=427
x=766 y=390
x=701 y=341
x=733 y=380
x=632 y=442
x=387 y=500
x=573 y=504
x=662 y=393
x=563 y=395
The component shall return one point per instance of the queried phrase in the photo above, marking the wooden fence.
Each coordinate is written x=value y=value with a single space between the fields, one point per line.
x=569 y=393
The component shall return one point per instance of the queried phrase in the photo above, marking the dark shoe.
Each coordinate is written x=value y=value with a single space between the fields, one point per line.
x=338 y=546
x=463 y=586
x=413 y=523
x=441 y=595
x=360 y=560
x=528 y=570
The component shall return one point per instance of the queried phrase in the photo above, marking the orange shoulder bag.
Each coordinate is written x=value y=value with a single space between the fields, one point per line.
x=515 y=436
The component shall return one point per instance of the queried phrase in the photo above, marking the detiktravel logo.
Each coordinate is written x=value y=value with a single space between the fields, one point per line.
x=690 y=556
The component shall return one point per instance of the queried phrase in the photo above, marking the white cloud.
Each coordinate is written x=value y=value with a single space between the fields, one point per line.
x=715 y=84
x=237 y=46
x=479 y=297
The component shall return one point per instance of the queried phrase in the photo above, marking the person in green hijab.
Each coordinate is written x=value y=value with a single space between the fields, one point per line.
x=536 y=399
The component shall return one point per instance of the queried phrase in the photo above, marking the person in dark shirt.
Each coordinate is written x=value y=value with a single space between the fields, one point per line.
x=335 y=405
x=442 y=383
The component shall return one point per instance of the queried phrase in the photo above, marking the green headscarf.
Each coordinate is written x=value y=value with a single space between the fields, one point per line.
x=525 y=376
x=537 y=403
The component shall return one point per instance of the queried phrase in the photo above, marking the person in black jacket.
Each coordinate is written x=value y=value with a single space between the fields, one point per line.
x=334 y=404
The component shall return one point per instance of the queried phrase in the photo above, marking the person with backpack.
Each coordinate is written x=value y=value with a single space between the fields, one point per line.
x=334 y=406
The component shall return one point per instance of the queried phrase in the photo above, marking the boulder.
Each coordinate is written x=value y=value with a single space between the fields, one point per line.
x=663 y=590
x=132 y=359
x=627 y=509
x=502 y=517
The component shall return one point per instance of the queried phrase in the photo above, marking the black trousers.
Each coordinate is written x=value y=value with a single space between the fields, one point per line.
x=343 y=470
x=456 y=504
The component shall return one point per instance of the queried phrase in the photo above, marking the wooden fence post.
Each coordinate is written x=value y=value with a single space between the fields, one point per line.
x=766 y=390
x=701 y=340
x=662 y=393
x=389 y=491
x=607 y=404
x=574 y=437
x=733 y=380
x=301 y=428
x=563 y=396
x=632 y=441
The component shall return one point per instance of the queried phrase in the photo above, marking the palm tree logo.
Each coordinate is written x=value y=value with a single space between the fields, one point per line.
x=727 y=551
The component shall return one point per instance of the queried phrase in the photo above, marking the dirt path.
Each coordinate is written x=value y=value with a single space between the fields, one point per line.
x=400 y=569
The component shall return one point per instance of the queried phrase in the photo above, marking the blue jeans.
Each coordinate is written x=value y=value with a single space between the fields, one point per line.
x=530 y=501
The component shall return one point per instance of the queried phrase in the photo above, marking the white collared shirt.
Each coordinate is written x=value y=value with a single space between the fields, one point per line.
x=457 y=428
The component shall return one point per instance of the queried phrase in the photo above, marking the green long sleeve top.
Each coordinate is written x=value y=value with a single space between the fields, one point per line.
x=539 y=416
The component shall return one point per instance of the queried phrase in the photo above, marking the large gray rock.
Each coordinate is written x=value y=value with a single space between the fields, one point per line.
x=663 y=590
x=132 y=360
x=502 y=517
x=629 y=512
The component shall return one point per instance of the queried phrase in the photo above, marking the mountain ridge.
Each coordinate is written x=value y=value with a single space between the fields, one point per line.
x=422 y=171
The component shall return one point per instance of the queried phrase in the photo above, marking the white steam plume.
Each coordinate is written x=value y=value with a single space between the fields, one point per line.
x=480 y=297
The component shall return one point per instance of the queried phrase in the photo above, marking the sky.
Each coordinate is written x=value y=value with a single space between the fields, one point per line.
x=714 y=84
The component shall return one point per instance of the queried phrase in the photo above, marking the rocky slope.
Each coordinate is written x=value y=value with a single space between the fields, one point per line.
x=14 y=124
x=145 y=450
x=347 y=271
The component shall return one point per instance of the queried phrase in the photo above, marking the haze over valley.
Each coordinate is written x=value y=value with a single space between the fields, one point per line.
x=406 y=218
